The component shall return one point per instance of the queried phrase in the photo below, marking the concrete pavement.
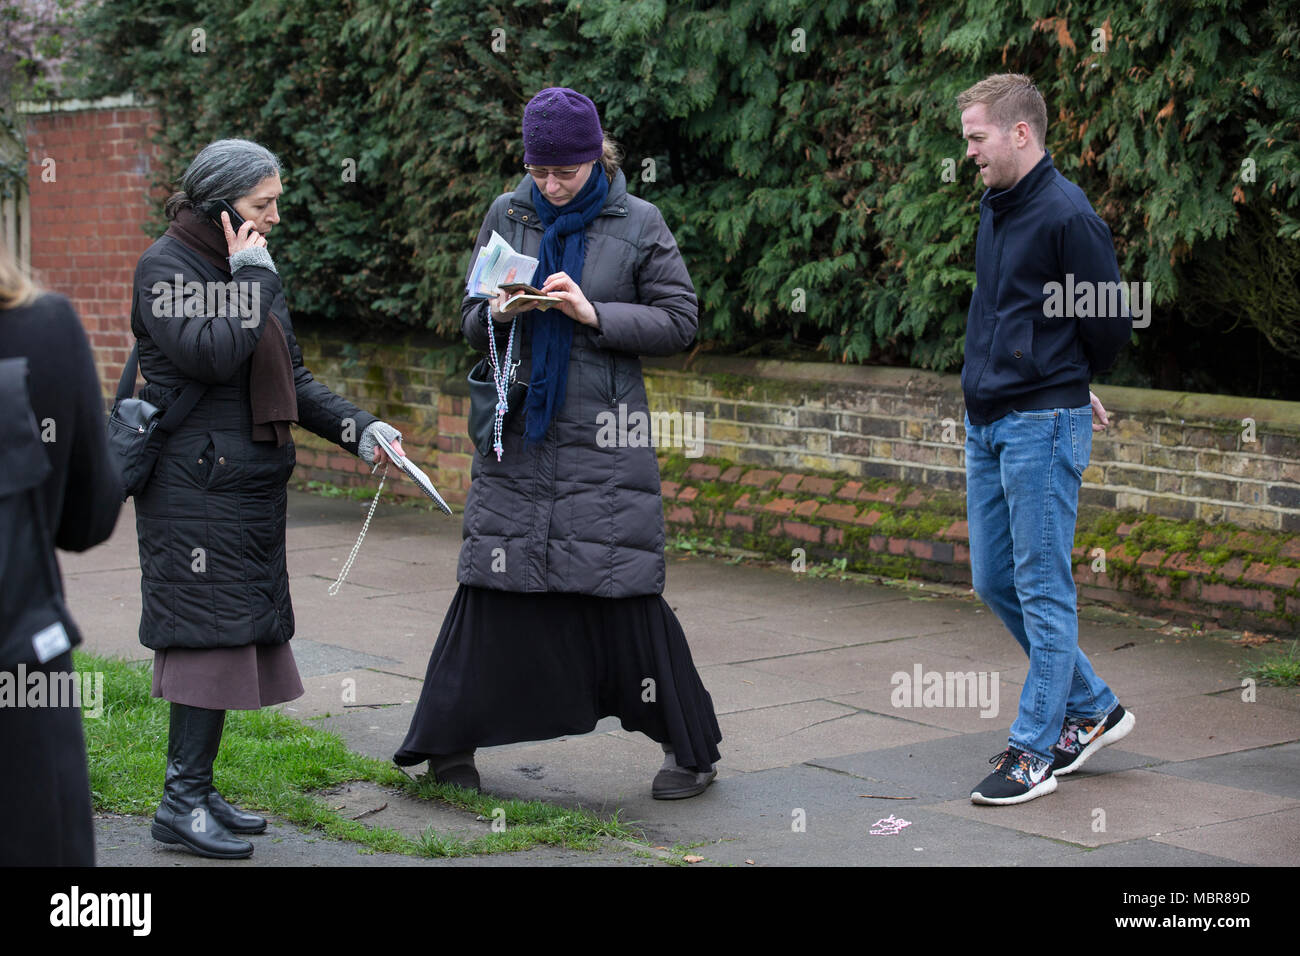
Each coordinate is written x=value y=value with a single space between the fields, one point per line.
x=829 y=755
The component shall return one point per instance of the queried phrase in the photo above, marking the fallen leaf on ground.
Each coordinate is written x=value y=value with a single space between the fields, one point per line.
x=1251 y=639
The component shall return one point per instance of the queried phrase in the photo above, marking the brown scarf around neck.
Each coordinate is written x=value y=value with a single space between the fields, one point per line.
x=271 y=385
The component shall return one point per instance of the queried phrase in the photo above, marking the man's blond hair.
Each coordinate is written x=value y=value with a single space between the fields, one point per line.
x=1009 y=98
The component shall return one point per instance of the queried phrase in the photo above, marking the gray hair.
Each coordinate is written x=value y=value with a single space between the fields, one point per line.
x=227 y=169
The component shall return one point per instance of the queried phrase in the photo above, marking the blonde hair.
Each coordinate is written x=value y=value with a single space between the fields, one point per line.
x=611 y=157
x=1010 y=98
x=15 y=288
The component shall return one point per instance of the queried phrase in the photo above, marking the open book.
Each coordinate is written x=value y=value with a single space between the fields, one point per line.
x=494 y=262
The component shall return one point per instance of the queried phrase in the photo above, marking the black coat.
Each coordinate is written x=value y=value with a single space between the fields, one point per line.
x=54 y=469
x=211 y=522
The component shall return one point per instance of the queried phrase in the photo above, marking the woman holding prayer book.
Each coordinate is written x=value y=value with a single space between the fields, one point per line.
x=559 y=619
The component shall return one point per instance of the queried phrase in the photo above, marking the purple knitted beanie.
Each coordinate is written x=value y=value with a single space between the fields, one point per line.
x=561 y=128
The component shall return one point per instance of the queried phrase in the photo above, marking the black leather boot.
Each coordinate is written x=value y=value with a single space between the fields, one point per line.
x=185 y=816
x=235 y=819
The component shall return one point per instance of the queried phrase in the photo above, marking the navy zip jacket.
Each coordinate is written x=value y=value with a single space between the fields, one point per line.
x=1031 y=344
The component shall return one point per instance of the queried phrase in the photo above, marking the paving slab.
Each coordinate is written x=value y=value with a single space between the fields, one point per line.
x=771 y=737
x=377 y=807
x=1110 y=808
x=773 y=590
x=359 y=691
x=736 y=687
x=1186 y=728
x=353 y=625
x=1273 y=770
x=431 y=603
x=866 y=622
x=881 y=671
x=1157 y=668
x=971 y=718
x=1284 y=698
x=315 y=658
x=1271 y=839
x=739 y=643
x=1138 y=853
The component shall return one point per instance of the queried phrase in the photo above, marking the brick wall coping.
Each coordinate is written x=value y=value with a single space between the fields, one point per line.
x=122 y=101
x=1195 y=406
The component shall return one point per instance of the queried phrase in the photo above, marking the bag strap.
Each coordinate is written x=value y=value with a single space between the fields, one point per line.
x=177 y=411
x=126 y=387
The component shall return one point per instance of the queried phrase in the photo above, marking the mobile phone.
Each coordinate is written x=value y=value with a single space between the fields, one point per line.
x=217 y=207
x=510 y=288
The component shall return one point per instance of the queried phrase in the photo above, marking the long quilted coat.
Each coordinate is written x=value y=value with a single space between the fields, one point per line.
x=211 y=522
x=574 y=513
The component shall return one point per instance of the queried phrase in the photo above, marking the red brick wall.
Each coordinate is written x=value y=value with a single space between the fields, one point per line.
x=88 y=222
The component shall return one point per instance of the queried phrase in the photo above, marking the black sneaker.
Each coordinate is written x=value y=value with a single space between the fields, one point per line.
x=1081 y=737
x=1018 y=776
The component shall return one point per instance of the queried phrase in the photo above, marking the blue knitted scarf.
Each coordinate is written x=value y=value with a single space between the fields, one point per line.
x=564 y=249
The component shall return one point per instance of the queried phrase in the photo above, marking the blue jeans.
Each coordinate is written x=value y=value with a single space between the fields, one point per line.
x=1023 y=474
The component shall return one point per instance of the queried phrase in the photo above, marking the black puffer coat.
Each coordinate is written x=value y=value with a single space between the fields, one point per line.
x=211 y=522
x=568 y=514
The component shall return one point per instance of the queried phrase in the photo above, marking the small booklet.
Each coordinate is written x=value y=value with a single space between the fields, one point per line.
x=418 y=476
x=494 y=262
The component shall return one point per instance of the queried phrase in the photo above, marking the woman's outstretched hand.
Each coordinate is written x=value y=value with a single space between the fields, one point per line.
x=247 y=238
x=573 y=302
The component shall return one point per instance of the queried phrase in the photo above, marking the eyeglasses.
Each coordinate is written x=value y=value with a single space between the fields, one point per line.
x=541 y=172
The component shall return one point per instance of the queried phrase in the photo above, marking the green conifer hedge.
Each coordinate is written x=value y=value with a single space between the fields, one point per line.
x=808 y=156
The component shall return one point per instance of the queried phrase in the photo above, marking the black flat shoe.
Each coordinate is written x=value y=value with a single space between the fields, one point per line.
x=462 y=775
x=457 y=769
x=675 y=783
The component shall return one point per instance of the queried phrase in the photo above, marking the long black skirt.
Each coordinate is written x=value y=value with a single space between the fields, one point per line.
x=510 y=667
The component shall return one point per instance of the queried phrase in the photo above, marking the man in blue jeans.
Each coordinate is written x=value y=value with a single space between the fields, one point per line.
x=1044 y=318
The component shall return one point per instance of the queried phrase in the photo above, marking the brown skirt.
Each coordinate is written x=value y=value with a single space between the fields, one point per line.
x=227 y=678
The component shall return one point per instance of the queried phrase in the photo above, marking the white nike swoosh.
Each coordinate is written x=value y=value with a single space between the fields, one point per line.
x=1086 y=739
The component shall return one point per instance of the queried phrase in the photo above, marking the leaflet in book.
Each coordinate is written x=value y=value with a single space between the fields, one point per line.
x=493 y=265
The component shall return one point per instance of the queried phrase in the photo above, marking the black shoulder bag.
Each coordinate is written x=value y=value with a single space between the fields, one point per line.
x=137 y=429
x=486 y=379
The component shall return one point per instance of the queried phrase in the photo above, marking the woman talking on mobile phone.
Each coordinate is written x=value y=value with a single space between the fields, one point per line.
x=210 y=308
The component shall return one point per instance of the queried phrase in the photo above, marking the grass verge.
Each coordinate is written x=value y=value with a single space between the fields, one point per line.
x=271 y=763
